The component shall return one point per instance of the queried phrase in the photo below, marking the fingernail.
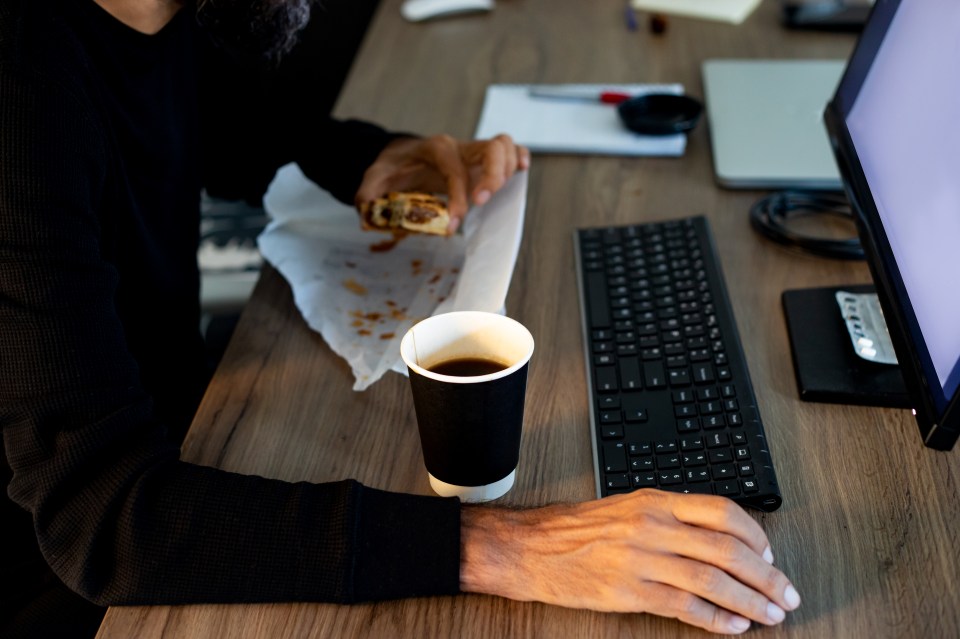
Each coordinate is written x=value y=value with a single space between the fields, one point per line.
x=768 y=555
x=775 y=613
x=739 y=624
x=792 y=597
x=453 y=226
x=482 y=197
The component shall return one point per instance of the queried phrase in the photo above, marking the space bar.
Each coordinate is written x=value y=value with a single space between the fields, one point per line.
x=597 y=300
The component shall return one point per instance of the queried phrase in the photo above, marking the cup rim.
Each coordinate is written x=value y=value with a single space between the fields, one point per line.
x=473 y=379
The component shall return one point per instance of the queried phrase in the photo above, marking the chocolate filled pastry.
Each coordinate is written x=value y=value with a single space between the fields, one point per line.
x=416 y=212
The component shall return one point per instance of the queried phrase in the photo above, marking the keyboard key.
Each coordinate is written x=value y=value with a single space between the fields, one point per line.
x=610 y=417
x=611 y=431
x=609 y=402
x=707 y=394
x=703 y=373
x=714 y=421
x=724 y=471
x=644 y=480
x=670 y=477
x=598 y=303
x=665 y=447
x=604 y=359
x=720 y=456
x=614 y=457
x=618 y=481
x=654 y=376
x=639 y=448
x=749 y=485
x=685 y=410
x=694 y=459
x=666 y=462
x=715 y=440
x=630 y=374
x=607 y=380
x=727 y=488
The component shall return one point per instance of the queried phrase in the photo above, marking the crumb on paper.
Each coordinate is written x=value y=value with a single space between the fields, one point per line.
x=370 y=317
x=435 y=279
x=381 y=247
x=352 y=286
x=387 y=245
x=454 y=270
x=387 y=335
x=364 y=332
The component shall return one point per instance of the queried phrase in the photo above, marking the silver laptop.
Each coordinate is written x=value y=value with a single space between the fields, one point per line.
x=766 y=122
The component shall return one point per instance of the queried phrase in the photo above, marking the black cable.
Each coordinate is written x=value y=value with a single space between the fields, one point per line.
x=770 y=216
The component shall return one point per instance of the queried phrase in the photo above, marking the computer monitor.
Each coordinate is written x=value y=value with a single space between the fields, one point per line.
x=894 y=126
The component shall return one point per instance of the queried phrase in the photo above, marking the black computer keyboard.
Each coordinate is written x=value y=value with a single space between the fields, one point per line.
x=672 y=405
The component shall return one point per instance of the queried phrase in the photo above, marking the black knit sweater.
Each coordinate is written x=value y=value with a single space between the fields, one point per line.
x=104 y=147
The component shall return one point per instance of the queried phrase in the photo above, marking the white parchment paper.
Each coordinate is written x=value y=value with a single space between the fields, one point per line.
x=361 y=290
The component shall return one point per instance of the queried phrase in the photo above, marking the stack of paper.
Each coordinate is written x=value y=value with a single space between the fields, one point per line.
x=550 y=125
x=733 y=11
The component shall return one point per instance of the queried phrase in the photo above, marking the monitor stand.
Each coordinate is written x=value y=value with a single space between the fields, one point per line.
x=826 y=367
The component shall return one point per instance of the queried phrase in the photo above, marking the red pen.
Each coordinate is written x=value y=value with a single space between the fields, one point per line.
x=581 y=93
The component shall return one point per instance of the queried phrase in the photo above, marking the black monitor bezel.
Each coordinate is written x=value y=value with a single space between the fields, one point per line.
x=938 y=416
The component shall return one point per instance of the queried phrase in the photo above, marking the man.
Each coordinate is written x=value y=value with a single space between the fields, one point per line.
x=107 y=111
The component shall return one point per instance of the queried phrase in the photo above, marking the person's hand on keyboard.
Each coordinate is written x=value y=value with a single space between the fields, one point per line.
x=698 y=558
x=468 y=171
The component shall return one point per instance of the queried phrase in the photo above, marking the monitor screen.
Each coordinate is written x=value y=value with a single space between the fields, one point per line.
x=893 y=124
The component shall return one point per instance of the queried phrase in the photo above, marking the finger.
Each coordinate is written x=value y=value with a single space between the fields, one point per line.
x=668 y=601
x=493 y=160
x=736 y=559
x=446 y=155
x=523 y=158
x=511 y=159
x=716 y=586
x=723 y=515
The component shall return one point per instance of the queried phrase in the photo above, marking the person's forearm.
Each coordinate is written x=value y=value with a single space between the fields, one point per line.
x=489 y=562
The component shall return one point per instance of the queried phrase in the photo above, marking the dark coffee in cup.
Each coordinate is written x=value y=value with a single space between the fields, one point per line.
x=467 y=367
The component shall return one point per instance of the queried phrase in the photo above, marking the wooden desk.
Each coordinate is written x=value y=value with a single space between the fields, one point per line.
x=871 y=519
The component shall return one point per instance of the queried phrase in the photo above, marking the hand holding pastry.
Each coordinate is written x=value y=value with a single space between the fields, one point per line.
x=466 y=170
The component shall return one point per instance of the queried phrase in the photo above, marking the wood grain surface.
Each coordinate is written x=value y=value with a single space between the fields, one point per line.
x=870 y=522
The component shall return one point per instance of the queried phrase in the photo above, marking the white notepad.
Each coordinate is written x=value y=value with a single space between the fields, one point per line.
x=732 y=11
x=570 y=126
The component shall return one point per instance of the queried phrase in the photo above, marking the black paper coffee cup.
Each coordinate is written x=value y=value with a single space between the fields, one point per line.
x=468 y=375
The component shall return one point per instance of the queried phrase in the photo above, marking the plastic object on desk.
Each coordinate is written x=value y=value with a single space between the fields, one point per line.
x=660 y=113
x=418 y=10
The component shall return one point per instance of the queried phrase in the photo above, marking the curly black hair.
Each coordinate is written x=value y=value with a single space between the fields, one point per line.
x=262 y=29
